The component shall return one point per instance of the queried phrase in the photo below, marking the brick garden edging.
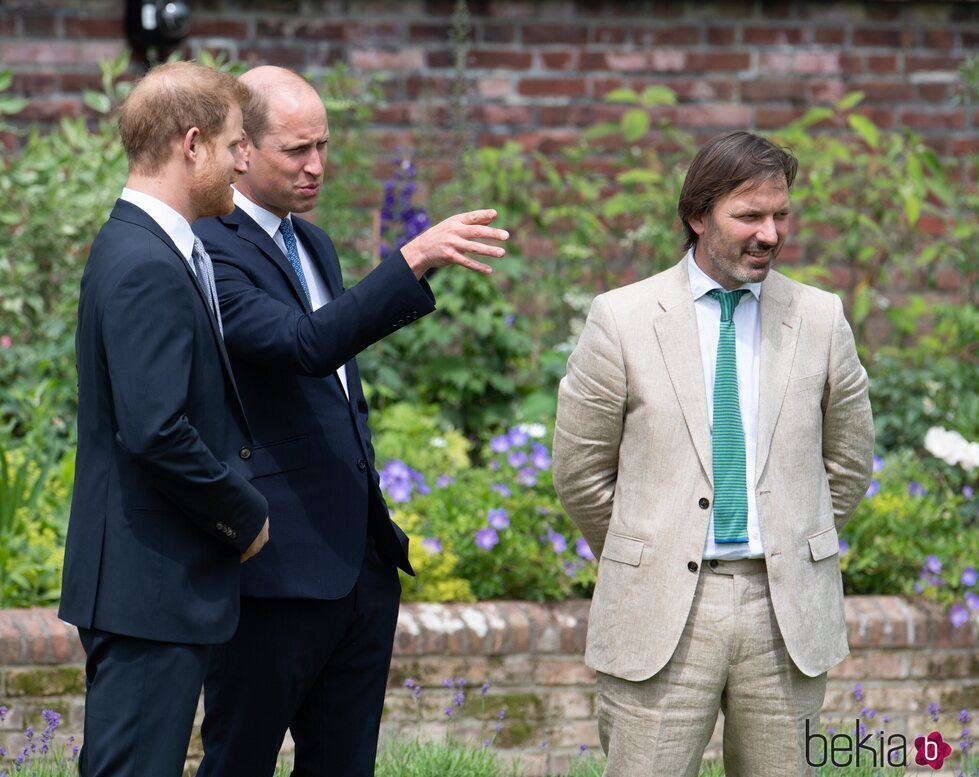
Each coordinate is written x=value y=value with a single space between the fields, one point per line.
x=905 y=654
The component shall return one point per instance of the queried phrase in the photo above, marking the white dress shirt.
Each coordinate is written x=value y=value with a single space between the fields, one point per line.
x=319 y=295
x=747 y=328
x=171 y=222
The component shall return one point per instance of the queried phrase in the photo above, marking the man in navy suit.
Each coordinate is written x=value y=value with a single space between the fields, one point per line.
x=320 y=606
x=161 y=516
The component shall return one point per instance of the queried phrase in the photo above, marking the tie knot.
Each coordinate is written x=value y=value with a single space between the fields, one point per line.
x=285 y=227
x=728 y=300
x=199 y=247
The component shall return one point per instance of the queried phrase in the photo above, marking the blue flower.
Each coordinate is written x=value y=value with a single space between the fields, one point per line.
x=878 y=463
x=540 y=457
x=844 y=547
x=969 y=576
x=958 y=615
x=527 y=476
x=933 y=712
x=444 y=480
x=873 y=490
x=964 y=717
x=487 y=539
x=557 y=541
x=518 y=437
x=501 y=489
x=516 y=458
x=432 y=544
x=967 y=492
x=972 y=600
x=497 y=518
x=582 y=549
x=858 y=692
x=500 y=444
x=916 y=489
x=933 y=564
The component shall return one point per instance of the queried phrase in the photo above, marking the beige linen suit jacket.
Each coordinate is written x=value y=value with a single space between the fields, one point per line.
x=632 y=465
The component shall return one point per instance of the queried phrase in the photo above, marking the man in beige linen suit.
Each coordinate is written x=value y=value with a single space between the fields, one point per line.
x=710 y=446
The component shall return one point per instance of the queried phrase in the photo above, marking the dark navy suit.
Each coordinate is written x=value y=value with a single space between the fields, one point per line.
x=320 y=603
x=158 y=517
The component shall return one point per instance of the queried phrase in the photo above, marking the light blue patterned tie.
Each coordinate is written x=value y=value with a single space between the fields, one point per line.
x=292 y=251
x=205 y=278
x=727 y=436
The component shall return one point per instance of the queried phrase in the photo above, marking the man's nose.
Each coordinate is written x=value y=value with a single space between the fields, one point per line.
x=314 y=163
x=767 y=233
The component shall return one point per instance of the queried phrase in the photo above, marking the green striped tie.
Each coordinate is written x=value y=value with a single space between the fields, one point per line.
x=727 y=437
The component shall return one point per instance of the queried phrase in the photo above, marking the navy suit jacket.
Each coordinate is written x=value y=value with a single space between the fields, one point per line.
x=313 y=458
x=158 y=517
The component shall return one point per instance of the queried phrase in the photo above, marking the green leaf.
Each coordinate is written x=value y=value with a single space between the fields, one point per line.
x=816 y=115
x=97 y=101
x=638 y=176
x=848 y=100
x=635 y=124
x=6 y=79
x=9 y=105
x=657 y=95
x=622 y=96
x=912 y=208
x=865 y=128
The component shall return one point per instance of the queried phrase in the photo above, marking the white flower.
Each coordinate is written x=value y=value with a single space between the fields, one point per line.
x=533 y=430
x=437 y=442
x=952 y=448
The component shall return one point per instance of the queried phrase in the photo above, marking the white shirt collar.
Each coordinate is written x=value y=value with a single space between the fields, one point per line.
x=701 y=282
x=267 y=220
x=171 y=222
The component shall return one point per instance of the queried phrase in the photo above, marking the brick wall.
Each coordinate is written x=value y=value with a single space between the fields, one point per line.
x=905 y=655
x=537 y=71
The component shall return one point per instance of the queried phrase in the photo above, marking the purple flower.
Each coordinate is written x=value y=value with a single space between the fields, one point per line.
x=964 y=717
x=967 y=492
x=858 y=692
x=958 y=615
x=518 y=437
x=410 y=682
x=844 y=547
x=444 y=480
x=487 y=539
x=972 y=600
x=516 y=458
x=484 y=690
x=502 y=490
x=873 y=490
x=969 y=576
x=448 y=712
x=571 y=568
x=916 y=489
x=432 y=544
x=933 y=712
x=495 y=465
x=486 y=743
x=933 y=564
x=501 y=714
x=509 y=319
x=500 y=444
x=878 y=464
x=398 y=480
x=527 y=476
x=582 y=549
x=557 y=541
x=459 y=698
x=3 y=712
x=540 y=457
x=582 y=748
x=497 y=518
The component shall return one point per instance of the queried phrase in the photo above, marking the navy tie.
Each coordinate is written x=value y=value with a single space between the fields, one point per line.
x=292 y=251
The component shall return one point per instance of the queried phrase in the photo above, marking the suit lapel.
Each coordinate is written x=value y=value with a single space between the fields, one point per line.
x=780 y=328
x=324 y=258
x=677 y=333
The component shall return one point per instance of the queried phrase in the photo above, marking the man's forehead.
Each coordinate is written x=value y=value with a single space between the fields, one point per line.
x=755 y=188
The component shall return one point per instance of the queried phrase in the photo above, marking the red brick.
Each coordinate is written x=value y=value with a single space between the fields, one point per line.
x=875 y=36
x=607 y=34
x=429 y=32
x=220 y=28
x=95 y=51
x=37 y=26
x=397 y=113
x=702 y=89
x=32 y=84
x=50 y=110
x=767 y=118
x=914 y=63
x=408 y=58
x=938 y=39
x=934 y=118
x=882 y=63
x=509 y=115
x=774 y=35
x=666 y=36
x=494 y=88
x=559 y=60
x=934 y=92
x=545 y=34
x=93 y=27
x=885 y=91
x=718 y=115
x=966 y=145
x=720 y=36
x=499 y=59
x=418 y=85
x=718 y=61
x=77 y=82
x=854 y=64
x=970 y=38
x=553 y=87
x=498 y=33
x=578 y=115
x=767 y=89
x=280 y=55
x=829 y=36
x=826 y=90
x=443 y=58
x=39 y=54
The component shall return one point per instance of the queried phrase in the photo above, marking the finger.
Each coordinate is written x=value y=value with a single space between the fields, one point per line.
x=486 y=233
x=472 y=247
x=471 y=264
x=478 y=216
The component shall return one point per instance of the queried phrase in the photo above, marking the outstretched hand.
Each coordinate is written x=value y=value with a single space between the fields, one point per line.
x=451 y=241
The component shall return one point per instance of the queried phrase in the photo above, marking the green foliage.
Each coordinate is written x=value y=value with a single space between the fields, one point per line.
x=417 y=434
x=912 y=519
x=414 y=758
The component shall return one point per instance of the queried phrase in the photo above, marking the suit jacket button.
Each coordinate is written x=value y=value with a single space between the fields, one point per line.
x=362 y=465
x=704 y=503
x=220 y=527
x=245 y=453
x=692 y=566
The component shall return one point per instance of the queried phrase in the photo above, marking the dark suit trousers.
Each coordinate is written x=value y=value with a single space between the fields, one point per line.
x=140 y=701
x=318 y=668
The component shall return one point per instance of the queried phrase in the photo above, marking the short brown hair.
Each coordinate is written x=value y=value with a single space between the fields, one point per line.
x=724 y=164
x=169 y=100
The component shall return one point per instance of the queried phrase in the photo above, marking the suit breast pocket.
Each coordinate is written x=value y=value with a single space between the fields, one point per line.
x=810 y=383
x=274 y=458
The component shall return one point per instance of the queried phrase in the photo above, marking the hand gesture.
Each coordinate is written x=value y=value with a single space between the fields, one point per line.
x=451 y=240
x=258 y=543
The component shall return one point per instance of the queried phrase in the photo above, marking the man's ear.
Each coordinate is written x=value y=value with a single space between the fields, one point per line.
x=191 y=143
x=698 y=224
